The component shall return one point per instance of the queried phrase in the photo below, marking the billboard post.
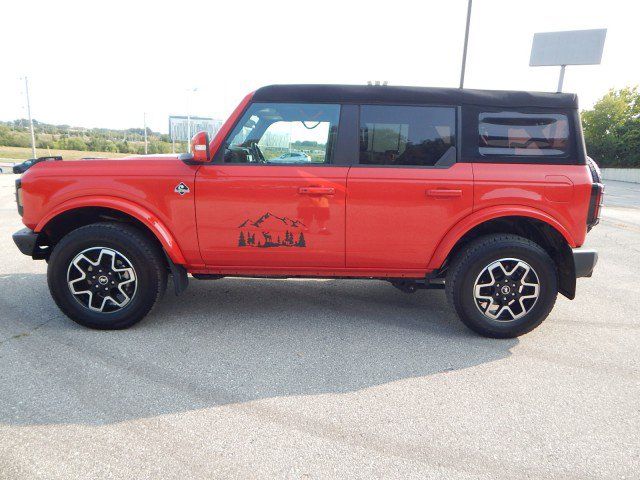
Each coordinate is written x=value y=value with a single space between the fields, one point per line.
x=561 y=79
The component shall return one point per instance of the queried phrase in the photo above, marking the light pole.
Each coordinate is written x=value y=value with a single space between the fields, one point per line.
x=146 y=148
x=466 y=42
x=33 y=137
x=189 y=92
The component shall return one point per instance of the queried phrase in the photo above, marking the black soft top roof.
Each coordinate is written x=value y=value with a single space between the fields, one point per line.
x=412 y=96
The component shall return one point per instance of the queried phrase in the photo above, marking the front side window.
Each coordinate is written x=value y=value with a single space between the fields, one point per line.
x=396 y=135
x=284 y=134
x=523 y=134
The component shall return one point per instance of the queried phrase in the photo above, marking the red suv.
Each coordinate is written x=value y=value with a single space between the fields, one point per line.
x=487 y=194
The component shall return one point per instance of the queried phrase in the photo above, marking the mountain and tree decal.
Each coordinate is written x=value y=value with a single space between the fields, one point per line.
x=271 y=231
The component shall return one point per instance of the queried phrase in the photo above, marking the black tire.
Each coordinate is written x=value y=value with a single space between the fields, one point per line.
x=143 y=255
x=471 y=262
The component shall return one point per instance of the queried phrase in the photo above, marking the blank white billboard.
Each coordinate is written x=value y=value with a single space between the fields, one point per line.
x=179 y=132
x=577 y=47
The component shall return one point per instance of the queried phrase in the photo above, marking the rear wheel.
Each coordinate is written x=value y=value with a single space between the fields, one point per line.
x=106 y=275
x=502 y=286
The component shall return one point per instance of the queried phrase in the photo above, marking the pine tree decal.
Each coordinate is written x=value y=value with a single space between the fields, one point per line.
x=301 y=242
x=241 y=241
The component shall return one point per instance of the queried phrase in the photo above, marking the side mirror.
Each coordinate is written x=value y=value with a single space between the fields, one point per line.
x=200 y=147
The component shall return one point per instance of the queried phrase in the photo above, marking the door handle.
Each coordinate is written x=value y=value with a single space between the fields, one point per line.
x=444 y=193
x=316 y=191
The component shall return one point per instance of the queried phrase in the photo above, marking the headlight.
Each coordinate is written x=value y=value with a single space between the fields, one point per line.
x=19 y=196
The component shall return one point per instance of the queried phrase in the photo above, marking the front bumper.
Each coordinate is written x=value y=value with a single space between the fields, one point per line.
x=584 y=262
x=26 y=240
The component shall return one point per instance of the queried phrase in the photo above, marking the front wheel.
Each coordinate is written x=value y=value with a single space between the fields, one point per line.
x=502 y=286
x=106 y=275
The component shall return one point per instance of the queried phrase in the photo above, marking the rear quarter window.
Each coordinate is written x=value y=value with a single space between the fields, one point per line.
x=518 y=134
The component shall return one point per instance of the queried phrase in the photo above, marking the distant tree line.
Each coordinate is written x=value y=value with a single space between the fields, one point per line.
x=612 y=129
x=64 y=137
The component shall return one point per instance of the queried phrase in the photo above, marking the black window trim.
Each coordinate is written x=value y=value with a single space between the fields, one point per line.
x=218 y=156
x=457 y=144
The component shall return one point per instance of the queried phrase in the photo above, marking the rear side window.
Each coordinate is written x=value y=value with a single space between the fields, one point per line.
x=396 y=135
x=518 y=134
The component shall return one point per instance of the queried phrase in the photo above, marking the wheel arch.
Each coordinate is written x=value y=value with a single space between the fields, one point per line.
x=529 y=223
x=85 y=210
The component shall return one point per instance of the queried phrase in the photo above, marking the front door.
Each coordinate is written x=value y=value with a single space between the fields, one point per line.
x=407 y=190
x=274 y=197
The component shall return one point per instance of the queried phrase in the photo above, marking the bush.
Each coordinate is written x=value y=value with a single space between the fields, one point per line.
x=71 y=143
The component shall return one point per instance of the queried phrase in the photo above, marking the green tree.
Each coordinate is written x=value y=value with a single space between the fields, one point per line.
x=123 y=147
x=612 y=128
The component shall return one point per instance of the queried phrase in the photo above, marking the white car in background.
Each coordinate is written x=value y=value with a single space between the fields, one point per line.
x=292 y=157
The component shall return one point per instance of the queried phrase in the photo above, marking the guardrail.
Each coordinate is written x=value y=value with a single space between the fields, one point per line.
x=631 y=175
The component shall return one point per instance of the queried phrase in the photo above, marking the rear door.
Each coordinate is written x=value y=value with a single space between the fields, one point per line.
x=274 y=196
x=407 y=189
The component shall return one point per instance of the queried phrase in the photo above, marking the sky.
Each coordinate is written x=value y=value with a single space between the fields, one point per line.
x=104 y=64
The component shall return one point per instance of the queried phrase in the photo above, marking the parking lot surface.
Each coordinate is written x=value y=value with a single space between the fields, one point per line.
x=316 y=379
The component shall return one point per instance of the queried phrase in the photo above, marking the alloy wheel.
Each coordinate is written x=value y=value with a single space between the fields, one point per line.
x=102 y=279
x=506 y=289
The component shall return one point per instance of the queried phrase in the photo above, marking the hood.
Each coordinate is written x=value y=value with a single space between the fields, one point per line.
x=135 y=165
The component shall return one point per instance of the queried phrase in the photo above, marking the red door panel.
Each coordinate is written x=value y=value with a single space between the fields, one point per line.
x=279 y=216
x=397 y=216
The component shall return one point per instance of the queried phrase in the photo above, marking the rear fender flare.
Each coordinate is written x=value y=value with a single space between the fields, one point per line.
x=151 y=221
x=476 y=218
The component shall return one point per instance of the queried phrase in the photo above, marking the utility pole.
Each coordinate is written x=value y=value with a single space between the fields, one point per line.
x=33 y=136
x=146 y=148
x=466 y=42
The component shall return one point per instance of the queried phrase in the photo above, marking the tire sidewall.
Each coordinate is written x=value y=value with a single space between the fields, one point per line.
x=547 y=276
x=66 y=251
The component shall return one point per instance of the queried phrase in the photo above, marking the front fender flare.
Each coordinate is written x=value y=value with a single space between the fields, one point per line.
x=491 y=213
x=151 y=221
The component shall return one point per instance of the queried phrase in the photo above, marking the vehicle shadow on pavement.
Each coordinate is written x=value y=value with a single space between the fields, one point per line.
x=223 y=342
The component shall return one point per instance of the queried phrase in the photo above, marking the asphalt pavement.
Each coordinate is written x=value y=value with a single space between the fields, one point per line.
x=242 y=378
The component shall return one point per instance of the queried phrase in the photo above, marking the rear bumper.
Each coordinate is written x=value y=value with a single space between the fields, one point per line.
x=584 y=261
x=25 y=240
